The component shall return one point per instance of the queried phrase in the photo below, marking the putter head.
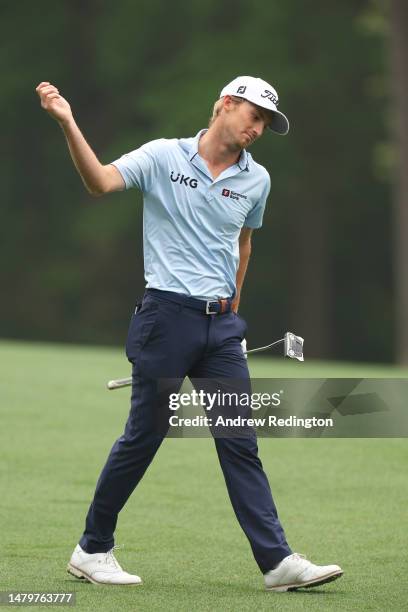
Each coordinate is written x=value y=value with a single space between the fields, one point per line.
x=293 y=346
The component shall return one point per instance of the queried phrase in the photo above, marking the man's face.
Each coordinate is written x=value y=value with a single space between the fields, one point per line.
x=245 y=122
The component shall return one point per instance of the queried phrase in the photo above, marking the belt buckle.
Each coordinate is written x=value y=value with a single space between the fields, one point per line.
x=208 y=306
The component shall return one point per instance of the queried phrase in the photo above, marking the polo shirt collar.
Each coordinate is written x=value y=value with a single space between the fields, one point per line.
x=243 y=161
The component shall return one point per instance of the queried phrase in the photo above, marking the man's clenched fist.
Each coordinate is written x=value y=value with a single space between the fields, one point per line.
x=53 y=103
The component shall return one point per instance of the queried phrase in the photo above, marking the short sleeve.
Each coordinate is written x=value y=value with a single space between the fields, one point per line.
x=140 y=167
x=255 y=215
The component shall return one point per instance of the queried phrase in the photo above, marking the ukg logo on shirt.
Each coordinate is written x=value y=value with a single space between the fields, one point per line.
x=183 y=180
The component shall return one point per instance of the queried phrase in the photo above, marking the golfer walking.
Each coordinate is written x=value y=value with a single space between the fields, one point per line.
x=203 y=197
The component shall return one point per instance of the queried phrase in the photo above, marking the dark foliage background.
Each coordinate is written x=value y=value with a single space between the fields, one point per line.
x=71 y=267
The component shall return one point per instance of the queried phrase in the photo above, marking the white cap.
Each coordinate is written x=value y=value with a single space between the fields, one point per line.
x=259 y=92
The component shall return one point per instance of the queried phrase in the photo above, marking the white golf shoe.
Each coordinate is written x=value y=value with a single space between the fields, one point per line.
x=296 y=572
x=99 y=568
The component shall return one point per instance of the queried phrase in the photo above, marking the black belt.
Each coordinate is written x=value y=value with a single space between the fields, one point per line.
x=207 y=307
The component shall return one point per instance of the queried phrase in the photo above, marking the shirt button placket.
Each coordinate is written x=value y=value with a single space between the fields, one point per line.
x=208 y=194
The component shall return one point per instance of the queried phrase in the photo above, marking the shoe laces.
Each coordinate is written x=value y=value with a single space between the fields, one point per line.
x=302 y=562
x=298 y=557
x=110 y=558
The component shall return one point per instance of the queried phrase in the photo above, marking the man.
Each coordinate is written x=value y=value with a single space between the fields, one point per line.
x=203 y=197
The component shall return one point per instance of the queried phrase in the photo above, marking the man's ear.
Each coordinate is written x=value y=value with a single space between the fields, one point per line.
x=228 y=103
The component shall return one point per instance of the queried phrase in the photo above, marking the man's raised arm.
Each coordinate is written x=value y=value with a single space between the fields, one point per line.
x=97 y=178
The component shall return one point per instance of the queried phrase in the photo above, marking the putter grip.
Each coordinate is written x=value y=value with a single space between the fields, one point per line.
x=119 y=383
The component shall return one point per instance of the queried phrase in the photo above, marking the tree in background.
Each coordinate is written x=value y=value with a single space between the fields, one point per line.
x=399 y=70
x=138 y=71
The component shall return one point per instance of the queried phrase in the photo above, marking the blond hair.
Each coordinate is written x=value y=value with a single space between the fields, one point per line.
x=218 y=108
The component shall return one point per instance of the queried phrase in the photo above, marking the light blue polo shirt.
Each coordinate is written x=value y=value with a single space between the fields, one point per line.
x=191 y=223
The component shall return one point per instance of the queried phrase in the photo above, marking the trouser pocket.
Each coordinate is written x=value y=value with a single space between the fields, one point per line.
x=141 y=326
x=242 y=325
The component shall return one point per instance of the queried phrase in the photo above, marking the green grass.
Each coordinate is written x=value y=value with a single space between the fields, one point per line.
x=340 y=500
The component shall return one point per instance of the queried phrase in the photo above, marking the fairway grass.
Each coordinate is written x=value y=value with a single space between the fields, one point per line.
x=340 y=500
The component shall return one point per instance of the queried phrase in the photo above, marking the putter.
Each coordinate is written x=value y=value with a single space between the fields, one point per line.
x=292 y=348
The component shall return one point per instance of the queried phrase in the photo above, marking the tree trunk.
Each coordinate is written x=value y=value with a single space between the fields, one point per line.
x=399 y=67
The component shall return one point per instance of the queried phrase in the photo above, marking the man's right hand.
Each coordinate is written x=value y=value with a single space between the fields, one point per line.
x=98 y=179
x=53 y=103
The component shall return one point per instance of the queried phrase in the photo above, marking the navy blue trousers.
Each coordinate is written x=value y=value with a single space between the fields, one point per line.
x=168 y=339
